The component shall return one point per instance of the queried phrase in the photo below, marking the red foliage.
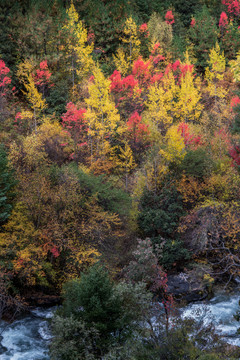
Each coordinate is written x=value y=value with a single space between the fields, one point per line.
x=184 y=69
x=141 y=71
x=176 y=65
x=118 y=84
x=155 y=48
x=189 y=139
x=55 y=251
x=235 y=101
x=136 y=127
x=193 y=22
x=42 y=75
x=4 y=80
x=143 y=27
x=73 y=118
x=123 y=90
x=156 y=78
x=90 y=37
x=233 y=6
x=168 y=69
x=144 y=30
x=73 y=121
x=234 y=152
x=223 y=22
x=157 y=59
x=18 y=120
x=169 y=17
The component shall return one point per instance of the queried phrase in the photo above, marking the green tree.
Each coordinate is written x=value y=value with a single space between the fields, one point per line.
x=7 y=183
x=203 y=35
x=93 y=304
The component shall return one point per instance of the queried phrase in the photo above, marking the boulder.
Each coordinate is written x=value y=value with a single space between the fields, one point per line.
x=187 y=286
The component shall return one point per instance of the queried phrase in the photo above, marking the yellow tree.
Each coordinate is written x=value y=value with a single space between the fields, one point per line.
x=160 y=106
x=123 y=159
x=188 y=107
x=130 y=38
x=31 y=92
x=215 y=72
x=235 y=67
x=78 y=49
x=102 y=117
x=174 y=151
x=121 y=62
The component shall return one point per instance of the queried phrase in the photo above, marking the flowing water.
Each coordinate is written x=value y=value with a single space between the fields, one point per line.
x=28 y=338
x=220 y=310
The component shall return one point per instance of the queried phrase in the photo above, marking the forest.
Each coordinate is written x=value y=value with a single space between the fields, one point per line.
x=119 y=169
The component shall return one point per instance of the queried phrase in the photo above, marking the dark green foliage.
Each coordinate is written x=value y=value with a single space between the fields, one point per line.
x=230 y=41
x=203 y=36
x=109 y=197
x=97 y=315
x=91 y=299
x=158 y=219
x=236 y=121
x=8 y=10
x=186 y=8
x=173 y=252
x=7 y=183
x=57 y=98
x=197 y=163
x=160 y=214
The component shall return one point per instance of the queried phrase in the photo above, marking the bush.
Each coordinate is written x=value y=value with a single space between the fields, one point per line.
x=160 y=214
x=197 y=163
x=97 y=315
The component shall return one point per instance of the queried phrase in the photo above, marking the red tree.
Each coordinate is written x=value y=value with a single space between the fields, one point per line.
x=4 y=79
x=136 y=127
x=74 y=123
x=233 y=7
x=223 y=22
x=169 y=17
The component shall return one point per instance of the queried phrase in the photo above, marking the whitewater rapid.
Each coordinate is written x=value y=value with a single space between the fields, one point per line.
x=28 y=338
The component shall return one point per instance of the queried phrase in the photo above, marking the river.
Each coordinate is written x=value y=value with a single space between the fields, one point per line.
x=28 y=337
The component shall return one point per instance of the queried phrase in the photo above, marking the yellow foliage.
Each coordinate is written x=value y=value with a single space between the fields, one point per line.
x=21 y=242
x=102 y=116
x=121 y=62
x=190 y=189
x=175 y=147
x=79 y=45
x=43 y=147
x=123 y=158
x=160 y=105
x=160 y=31
x=188 y=107
x=235 y=67
x=215 y=72
x=34 y=97
x=81 y=257
x=130 y=37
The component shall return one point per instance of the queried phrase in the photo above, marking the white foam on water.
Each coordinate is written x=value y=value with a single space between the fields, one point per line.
x=44 y=313
x=25 y=339
x=220 y=310
x=44 y=331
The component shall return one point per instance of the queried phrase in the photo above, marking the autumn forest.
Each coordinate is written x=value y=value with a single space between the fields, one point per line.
x=119 y=164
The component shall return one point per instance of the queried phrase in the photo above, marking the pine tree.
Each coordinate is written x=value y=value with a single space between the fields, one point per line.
x=7 y=183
